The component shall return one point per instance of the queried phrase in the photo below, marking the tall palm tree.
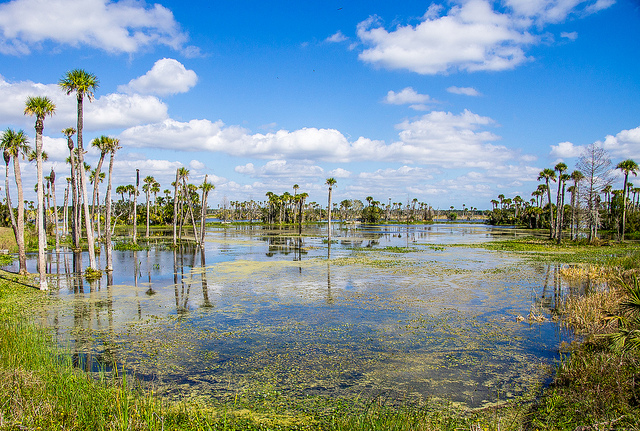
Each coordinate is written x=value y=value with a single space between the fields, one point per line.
x=562 y=179
x=330 y=182
x=560 y=168
x=135 y=208
x=549 y=175
x=114 y=145
x=75 y=219
x=146 y=188
x=103 y=144
x=15 y=145
x=40 y=107
x=175 y=207
x=206 y=188
x=576 y=176
x=52 y=181
x=83 y=84
x=628 y=167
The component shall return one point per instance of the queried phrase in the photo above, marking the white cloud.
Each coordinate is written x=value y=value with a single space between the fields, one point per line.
x=197 y=165
x=105 y=112
x=625 y=144
x=123 y=26
x=470 y=37
x=405 y=96
x=466 y=91
x=569 y=35
x=167 y=76
x=281 y=168
x=339 y=173
x=566 y=150
x=436 y=138
x=337 y=37
x=554 y=11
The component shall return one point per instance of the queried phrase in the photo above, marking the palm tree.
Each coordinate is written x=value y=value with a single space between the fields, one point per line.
x=206 y=188
x=135 y=208
x=113 y=147
x=75 y=219
x=576 y=176
x=560 y=168
x=549 y=174
x=626 y=166
x=102 y=143
x=175 y=208
x=83 y=84
x=15 y=145
x=330 y=182
x=40 y=107
x=146 y=188
x=52 y=181
x=562 y=179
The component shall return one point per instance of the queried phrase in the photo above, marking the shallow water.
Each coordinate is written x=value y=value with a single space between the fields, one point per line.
x=262 y=310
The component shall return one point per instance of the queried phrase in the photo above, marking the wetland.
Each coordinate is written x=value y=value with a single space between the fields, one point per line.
x=411 y=313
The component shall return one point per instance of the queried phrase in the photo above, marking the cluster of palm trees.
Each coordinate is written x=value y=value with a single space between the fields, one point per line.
x=585 y=204
x=15 y=146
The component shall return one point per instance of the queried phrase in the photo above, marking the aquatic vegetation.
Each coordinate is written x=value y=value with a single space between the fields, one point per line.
x=128 y=246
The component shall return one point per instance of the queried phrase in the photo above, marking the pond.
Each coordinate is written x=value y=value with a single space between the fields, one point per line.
x=406 y=311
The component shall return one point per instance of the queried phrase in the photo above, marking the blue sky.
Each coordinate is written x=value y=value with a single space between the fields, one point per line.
x=451 y=103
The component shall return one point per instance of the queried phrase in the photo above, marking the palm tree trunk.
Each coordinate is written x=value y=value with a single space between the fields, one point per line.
x=107 y=222
x=96 y=185
x=22 y=252
x=135 y=208
x=83 y=185
x=42 y=237
x=65 y=213
x=175 y=210
x=55 y=211
x=14 y=224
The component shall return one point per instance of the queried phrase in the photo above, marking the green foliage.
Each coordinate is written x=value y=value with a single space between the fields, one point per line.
x=371 y=214
x=128 y=246
x=92 y=274
x=452 y=216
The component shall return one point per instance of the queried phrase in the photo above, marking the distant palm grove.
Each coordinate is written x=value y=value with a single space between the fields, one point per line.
x=584 y=203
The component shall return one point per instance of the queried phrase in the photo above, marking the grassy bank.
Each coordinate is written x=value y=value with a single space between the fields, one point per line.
x=594 y=387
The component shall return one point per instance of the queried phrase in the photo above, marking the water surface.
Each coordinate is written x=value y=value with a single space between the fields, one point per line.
x=262 y=309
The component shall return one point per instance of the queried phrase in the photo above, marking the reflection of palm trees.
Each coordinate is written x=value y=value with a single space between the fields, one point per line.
x=329 y=299
x=203 y=277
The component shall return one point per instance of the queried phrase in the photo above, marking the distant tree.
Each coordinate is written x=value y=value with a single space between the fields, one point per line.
x=595 y=165
x=627 y=167
x=549 y=175
x=330 y=182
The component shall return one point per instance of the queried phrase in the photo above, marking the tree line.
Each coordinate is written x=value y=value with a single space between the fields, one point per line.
x=592 y=204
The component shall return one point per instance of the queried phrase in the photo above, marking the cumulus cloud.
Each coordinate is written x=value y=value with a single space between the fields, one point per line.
x=281 y=168
x=436 y=138
x=167 y=76
x=405 y=96
x=105 y=112
x=123 y=26
x=466 y=91
x=471 y=36
x=625 y=144
x=339 y=173
x=337 y=37
x=566 y=150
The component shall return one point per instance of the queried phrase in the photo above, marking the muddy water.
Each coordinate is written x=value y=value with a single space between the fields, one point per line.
x=261 y=310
